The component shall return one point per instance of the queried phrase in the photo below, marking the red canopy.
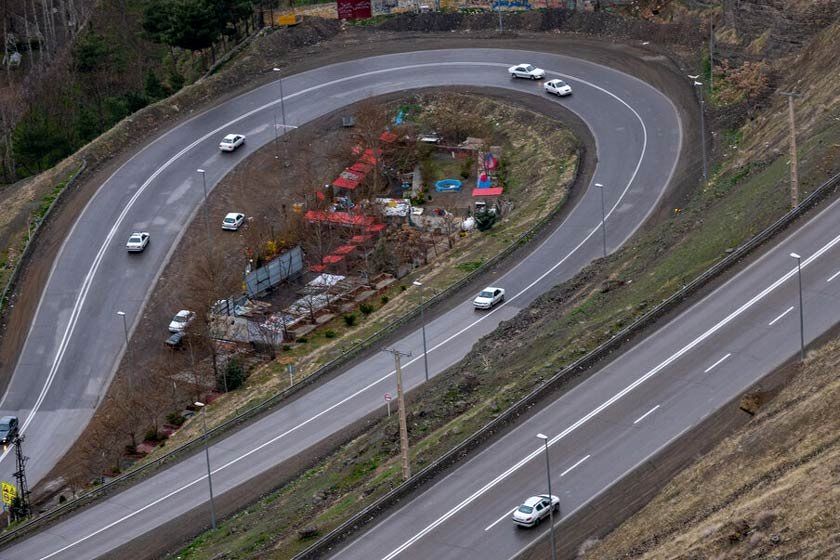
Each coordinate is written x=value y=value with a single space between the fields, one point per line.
x=368 y=157
x=361 y=168
x=345 y=183
x=375 y=228
x=344 y=249
x=339 y=218
x=388 y=137
x=360 y=238
x=493 y=191
x=317 y=268
x=332 y=259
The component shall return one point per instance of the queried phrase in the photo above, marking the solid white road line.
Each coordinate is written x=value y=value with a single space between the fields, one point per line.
x=595 y=230
x=499 y=520
x=671 y=359
x=645 y=415
x=570 y=469
x=717 y=363
x=833 y=276
x=777 y=319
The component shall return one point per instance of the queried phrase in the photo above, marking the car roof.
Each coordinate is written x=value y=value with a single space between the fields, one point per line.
x=6 y=419
x=533 y=500
x=233 y=214
x=491 y=288
x=184 y=312
x=232 y=136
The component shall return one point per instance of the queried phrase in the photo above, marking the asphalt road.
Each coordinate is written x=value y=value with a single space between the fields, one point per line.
x=624 y=414
x=59 y=379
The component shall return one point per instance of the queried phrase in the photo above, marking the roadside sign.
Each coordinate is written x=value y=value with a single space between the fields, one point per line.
x=387 y=397
x=388 y=403
x=9 y=492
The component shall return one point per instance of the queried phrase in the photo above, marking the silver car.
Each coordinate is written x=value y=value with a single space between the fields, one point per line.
x=137 y=241
x=535 y=509
x=526 y=71
x=488 y=297
x=230 y=142
x=558 y=87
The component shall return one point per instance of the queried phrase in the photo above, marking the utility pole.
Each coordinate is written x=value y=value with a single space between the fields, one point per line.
x=711 y=54
x=699 y=87
x=794 y=163
x=406 y=468
x=23 y=508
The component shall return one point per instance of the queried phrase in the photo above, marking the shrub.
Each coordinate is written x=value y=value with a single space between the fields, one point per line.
x=234 y=376
x=330 y=334
x=403 y=288
x=175 y=419
x=286 y=348
x=384 y=299
x=153 y=435
x=366 y=308
x=303 y=340
x=350 y=319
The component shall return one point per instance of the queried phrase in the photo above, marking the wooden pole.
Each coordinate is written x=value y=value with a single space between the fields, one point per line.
x=794 y=163
x=406 y=467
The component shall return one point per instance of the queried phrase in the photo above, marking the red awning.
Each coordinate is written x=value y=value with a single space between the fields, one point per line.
x=375 y=228
x=344 y=250
x=493 y=191
x=360 y=238
x=368 y=157
x=332 y=259
x=344 y=183
x=388 y=137
x=317 y=268
x=339 y=218
x=361 y=167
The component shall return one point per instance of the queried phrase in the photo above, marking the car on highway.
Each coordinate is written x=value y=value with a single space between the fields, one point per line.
x=526 y=71
x=8 y=429
x=230 y=142
x=181 y=320
x=233 y=220
x=137 y=241
x=535 y=509
x=488 y=297
x=558 y=87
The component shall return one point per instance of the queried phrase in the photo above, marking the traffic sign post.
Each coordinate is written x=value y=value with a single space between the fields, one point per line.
x=388 y=403
x=9 y=491
x=291 y=369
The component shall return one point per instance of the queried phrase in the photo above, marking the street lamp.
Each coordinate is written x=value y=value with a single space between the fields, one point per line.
x=603 y=217
x=423 y=322
x=206 y=216
x=801 y=311
x=207 y=456
x=283 y=117
x=125 y=327
x=550 y=496
x=699 y=87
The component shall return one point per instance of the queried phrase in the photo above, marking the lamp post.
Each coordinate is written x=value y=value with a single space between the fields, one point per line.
x=125 y=334
x=801 y=310
x=206 y=215
x=282 y=117
x=603 y=217
x=699 y=87
x=544 y=438
x=207 y=456
x=423 y=328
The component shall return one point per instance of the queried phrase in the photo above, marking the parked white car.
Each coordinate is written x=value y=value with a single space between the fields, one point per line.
x=488 y=297
x=535 y=509
x=233 y=220
x=181 y=320
x=230 y=142
x=558 y=87
x=137 y=241
x=526 y=71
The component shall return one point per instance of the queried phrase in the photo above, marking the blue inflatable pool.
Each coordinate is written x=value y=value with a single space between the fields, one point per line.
x=447 y=185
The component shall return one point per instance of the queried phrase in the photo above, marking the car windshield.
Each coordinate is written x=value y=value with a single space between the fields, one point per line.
x=559 y=83
x=180 y=319
x=229 y=138
x=134 y=239
x=230 y=220
x=525 y=509
x=529 y=68
x=486 y=293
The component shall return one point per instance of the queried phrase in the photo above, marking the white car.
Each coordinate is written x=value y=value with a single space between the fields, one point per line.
x=230 y=142
x=558 y=87
x=181 y=320
x=526 y=71
x=535 y=509
x=233 y=220
x=488 y=297
x=137 y=241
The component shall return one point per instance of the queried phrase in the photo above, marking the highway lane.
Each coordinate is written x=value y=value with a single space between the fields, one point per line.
x=638 y=136
x=633 y=407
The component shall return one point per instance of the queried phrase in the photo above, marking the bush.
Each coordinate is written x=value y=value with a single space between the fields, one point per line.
x=330 y=334
x=403 y=288
x=303 y=340
x=366 y=308
x=350 y=319
x=234 y=376
x=286 y=348
x=175 y=419
x=384 y=299
x=153 y=435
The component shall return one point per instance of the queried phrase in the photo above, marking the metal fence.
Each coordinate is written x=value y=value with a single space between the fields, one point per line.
x=279 y=269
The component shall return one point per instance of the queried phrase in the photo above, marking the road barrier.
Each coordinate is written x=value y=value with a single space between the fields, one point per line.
x=455 y=455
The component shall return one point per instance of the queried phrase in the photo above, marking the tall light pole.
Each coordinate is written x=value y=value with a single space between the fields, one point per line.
x=125 y=333
x=283 y=118
x=544 y=438
x=406 y=467
x=206 y=215
x=699 y=87
x=801 y=310
x=423 y=328
x=794 y=160
x=603 y=217
x=207 y=456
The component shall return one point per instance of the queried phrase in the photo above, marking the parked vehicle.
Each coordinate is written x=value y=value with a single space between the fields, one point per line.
x=8 y=429
x=181 y=320
x=232 y=221
x=488 y=297
x=535 y=509
x=175 y=340
x=526 y=71
x=558 y=87
x=230 y=142
x=137 y=241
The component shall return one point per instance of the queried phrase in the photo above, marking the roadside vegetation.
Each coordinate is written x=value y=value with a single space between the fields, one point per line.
x=747 y=191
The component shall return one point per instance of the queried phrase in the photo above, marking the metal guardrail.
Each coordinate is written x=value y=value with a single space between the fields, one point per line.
x=460 y=451
x=182 y=451
x=27 y=249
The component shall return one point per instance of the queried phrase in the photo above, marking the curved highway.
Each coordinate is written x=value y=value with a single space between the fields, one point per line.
x=59 y=380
